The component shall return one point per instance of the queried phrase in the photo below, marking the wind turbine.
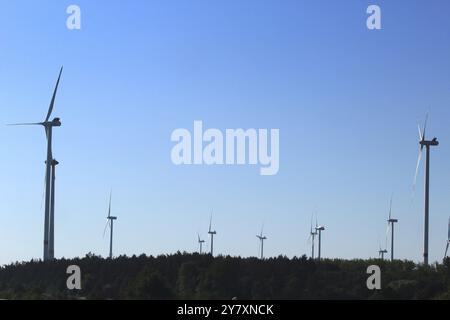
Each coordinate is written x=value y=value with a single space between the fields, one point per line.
x=312 y=236
x=212 y=233
x=319 y=229
x=391 y=223
x=448 y=239
x=381 y=253
x=48 y=221
x=200 y=242
x=427 y=144
x=110 y=223
x=261 y=240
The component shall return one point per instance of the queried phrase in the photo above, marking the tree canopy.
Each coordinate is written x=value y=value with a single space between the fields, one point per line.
x=195 y=276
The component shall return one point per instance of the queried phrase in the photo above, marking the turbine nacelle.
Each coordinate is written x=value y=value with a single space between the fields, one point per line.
x=426 y=143
x=53 y=162
x=392 y=220
x=56 y=122
x=321 y=228
x=381 y=253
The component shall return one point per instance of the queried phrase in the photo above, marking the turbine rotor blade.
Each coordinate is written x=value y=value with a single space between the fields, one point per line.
x=317 y=223
x=109 y=208
x=425 y=127
x=419 y=158
x=26 y=124
x=387 y=232
x=50 y=108
x=448 y=237
x=106 y=227
x=50 y=146
x=390 y=208
x=43 y=190
x=446 y=250
x=210 y=222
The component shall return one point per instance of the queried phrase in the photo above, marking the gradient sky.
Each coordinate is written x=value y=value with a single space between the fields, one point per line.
x=347 y=101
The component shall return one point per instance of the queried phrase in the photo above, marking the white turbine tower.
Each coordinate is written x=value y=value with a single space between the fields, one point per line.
x=448 y=240
x=427 y=144
x=52 y=212
x=200 y=242
x=212 y=234
x=319 y=229
x=391 y=223
x=49 y=176
x=110 y=223
x=261 y=240
x=312 y=237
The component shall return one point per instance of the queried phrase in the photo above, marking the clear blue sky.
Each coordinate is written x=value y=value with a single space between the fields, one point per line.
x=347 y=102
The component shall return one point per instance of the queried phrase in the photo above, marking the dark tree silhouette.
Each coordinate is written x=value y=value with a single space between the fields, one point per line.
x=194 y=276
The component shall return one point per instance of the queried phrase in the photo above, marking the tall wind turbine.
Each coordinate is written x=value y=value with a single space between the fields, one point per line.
x=212 y=233
x=110 y=223
x=319 y=229
x=427 y=144
x=448 y=239
x=381 y=253
x=391 y=223
x=48 y=221
x=261 y=240
x=200 y=242
x=312 y=237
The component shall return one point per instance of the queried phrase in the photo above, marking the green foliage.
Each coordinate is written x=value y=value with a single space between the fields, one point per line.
x=194 y=276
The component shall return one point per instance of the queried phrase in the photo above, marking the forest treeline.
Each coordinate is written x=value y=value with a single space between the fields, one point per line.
x=194 y=276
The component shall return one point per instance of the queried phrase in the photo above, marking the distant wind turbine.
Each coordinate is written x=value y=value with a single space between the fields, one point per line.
x=50 y=164
x=427 y=144
x=391 y=223
x=200 y=242
x=448 y=239
x=110 y=223
x=212 y=233
x=312 y=237
x=261 y=240
x=381 y=253
x=319 y=229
